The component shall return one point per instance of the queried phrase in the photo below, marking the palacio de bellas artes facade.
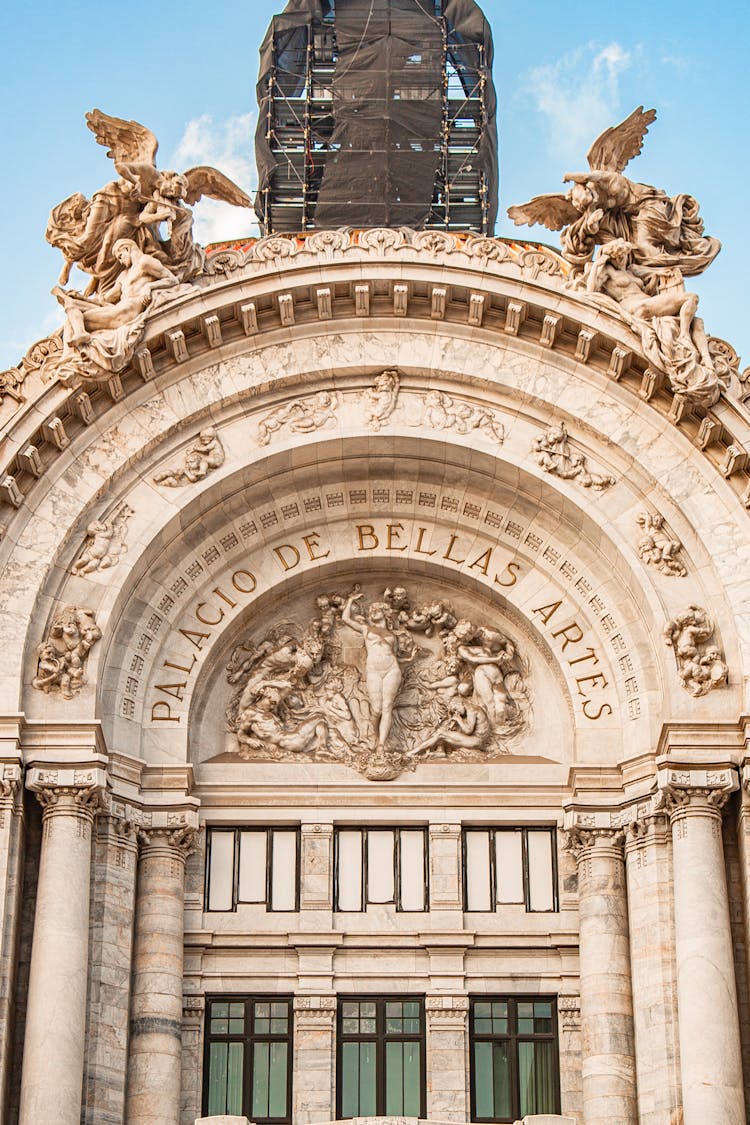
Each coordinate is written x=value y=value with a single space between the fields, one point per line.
x=375 y=627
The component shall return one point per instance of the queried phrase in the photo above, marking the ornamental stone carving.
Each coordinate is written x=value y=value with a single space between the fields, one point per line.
x=379 y=689
x=202 y=457
x=381 y=399
x=444 y=412
x=301 y=416
x=657 y=548
x=556 y=455
x=649 y=242
x=62 y=655
x=105 y=542
x=700 y=665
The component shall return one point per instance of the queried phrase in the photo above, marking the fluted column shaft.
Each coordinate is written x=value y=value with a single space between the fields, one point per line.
x=648 y=860
x=710 y=1058
x=609 y=1086
x=52 y=1076
x=153 y=1092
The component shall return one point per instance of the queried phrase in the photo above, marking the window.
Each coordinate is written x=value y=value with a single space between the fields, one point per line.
x=248 y=1058
x=381 y=1057
x=252 y=865
x=514 y=1062
x=381 y=865
x=506 y=866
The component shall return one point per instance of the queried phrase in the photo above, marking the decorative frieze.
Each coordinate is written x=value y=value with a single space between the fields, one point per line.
x=204 y=455
x=555 y=455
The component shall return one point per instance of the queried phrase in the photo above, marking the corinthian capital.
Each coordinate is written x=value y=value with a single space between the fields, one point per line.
x=685 y=790
x=68 y=791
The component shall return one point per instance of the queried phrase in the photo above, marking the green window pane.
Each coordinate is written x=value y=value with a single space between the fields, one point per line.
x=536 y=1078
x=278 y=1027
x=220 y=1009
x=217 y=1079
x=492 y=1079
x=219 y=1027
x=525 y=1018
x=542 y=1017
x=482 y=1026
x=277 y=1080
x=500 y=1026
x=237 y=1011
x=234 y=1079
x=236 y=1027
x=261 y=1061
x=394 y=1078
x=358 y=1080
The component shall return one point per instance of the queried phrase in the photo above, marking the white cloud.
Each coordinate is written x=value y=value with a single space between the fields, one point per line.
x=579 y=94
x=228 y=146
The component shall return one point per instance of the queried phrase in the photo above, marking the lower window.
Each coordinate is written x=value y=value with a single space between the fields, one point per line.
x=514 y=1058
x=381 y=1057
x=248 y=1061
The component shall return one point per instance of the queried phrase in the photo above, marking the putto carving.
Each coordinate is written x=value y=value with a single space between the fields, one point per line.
x=62 y=655
x=378 y=688
x=657 y=548
x=105 y=542
x=649 y=243
x=443 y=412
x=556 y=455
x=202 y=457
x=381 y=399
x=700 y=664
x=301 y=416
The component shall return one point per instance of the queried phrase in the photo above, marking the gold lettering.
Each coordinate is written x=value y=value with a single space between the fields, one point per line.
x=166 y=718
x=312 y=541
x=366 y=531
x=420 y=540
x=175 y=690
x=245 y=574
x=449 y=556
x=512 y=569
x=566 y=633
x=547 y=611
x=597 y=680
x=482 y=562
x=181 y=667
x=190 y=634
x=220 y=593
x=279 y=552
x=393 y=533
x=207 y=620
x=604 y=709
x=590 y=655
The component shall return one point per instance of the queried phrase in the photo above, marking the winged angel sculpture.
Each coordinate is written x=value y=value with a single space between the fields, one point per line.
x=134 y=238
x=648 y=243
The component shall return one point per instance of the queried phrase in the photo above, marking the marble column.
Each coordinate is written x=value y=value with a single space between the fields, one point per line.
x=447 y=1076
x=710 y=1057
x=154 y=1064
x=648 y=860
x=52 y=1072
x=609 y=1086
x=314 y=1059
x=11 y=880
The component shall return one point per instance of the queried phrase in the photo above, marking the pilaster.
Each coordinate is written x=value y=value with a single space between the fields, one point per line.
x=447 y=1055
x=316 y=867
x=314 y=1058
x=11 y=878
x=445 y=868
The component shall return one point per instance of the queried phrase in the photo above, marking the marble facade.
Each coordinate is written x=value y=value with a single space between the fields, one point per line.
x=250 y=458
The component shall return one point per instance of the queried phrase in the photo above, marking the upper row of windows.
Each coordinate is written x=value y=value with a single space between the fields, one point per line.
x=501 y=867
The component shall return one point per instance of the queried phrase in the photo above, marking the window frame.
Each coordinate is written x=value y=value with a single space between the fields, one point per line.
x=236 y=831
x=381 y=1038
x=524 y=829
x=397 y=829
x=249 y=1040
x=514 y=1038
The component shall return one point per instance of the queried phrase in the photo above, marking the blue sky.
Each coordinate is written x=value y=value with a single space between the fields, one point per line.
x=188 y=70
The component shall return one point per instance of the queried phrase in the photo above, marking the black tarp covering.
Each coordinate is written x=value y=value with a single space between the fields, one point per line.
x=385 y=150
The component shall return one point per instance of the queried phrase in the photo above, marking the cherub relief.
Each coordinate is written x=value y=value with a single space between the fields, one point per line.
x=556 y=455
x=656 y=548
x=62 y=655
x=302 y=416
x=701 y=668
x=105 y=543
x=204 y=455
x=381 y=399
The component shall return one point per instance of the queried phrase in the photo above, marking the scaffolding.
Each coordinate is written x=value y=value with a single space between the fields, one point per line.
x=377 y=113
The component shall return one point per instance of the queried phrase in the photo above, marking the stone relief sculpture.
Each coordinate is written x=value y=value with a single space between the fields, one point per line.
x=62 y=655
x=105 y=542
x=657 y=548
x=701 y=666
x=302 y=416
x=134 y=238
x=378 y=688
x=556 y=455
x=205 y=454
x=381 y=399
x=649 y=241
x=442 y=412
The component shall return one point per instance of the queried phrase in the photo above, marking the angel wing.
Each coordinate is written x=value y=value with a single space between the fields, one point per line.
x=209 y=181
x=617 y=146
x=554 y=211
x=130 y=142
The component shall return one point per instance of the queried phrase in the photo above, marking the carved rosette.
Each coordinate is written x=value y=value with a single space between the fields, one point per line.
x=447 y=1013
x=314 y=1013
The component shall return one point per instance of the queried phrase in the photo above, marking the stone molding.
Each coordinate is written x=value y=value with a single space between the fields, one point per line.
x=447 y=1012
x=569 y=1011
x=314 y=1013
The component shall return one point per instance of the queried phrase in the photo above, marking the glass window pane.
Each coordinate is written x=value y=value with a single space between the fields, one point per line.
x=542 y=1017
x=394 y=1078
x=284 y=871
x=252 y=866
x=412 y=870
x=277 y=1083
x=509 y=866
x=541 y=890
x=501 y=1078
x=260 y=1080
x=492 y=1079
x=380 y=856
x=536 y=1078
x=217 y=1079
x=525 y=1015
x=358 y=1080
x=234 y=1078
x=478 y=891
x=221 y=871
x=412 y=1080
x=349 y=891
